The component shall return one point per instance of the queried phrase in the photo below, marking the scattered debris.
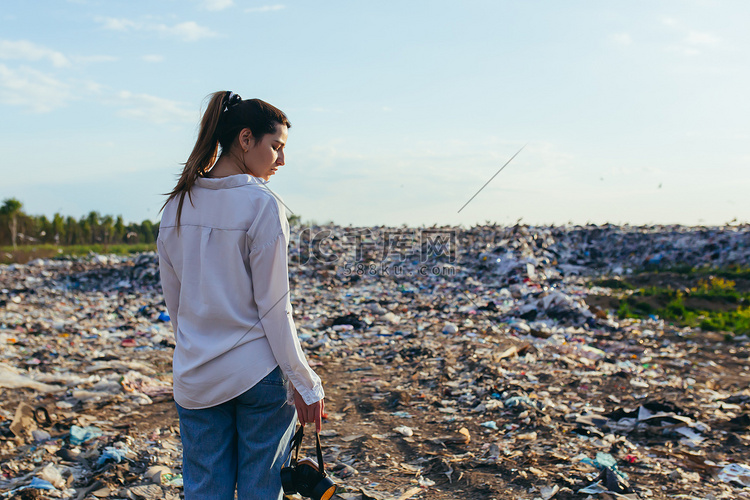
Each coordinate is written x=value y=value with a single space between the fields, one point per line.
x=492 y=375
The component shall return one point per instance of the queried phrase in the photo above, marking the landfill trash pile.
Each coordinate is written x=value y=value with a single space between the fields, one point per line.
x=458 y=363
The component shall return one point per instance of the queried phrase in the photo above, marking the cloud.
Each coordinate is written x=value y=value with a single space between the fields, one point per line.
x=621 y=39
x=152 y=108
x=28 y=51
x=695 y=43
x=32 y=89
x=41 y=93
x=153 y=58
x=692 y=42
x=217 y=4
x=111 y=23
x=698 y=38
x=188 y=31
x=266 y=8
x=94 y=59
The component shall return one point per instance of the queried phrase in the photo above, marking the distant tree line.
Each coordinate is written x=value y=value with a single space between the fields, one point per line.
x=19 y=228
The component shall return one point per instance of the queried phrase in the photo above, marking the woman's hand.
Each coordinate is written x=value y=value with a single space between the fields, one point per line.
x=309 y=413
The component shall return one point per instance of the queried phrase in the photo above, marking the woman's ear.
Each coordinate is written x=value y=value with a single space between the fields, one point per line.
x=246 y=139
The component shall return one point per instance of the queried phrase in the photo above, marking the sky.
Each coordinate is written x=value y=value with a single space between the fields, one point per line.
x=624 y=112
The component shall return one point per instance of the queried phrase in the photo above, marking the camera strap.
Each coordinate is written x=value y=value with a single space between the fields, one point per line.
x=321 y=465
x=296 y=444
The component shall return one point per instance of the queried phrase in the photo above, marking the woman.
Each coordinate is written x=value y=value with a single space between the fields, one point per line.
x=223 y=263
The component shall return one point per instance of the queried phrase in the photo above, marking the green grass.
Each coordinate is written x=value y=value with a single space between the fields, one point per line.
x=709 y=299
x=729 y=272
x=26 y=253
x=737 y=321
x=676 y=311
x=655 y=291
x=648 y=301
x=712 y=288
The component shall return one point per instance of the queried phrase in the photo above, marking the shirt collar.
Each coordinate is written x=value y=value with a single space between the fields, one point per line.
x=231 y=181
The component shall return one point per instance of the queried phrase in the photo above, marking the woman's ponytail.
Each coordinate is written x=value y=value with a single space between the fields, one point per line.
x=204 y=152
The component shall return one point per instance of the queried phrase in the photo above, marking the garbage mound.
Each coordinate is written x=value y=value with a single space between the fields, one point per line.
x=458 y=363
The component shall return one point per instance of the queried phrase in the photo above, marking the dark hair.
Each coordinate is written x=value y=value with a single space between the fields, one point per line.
x=225 y=116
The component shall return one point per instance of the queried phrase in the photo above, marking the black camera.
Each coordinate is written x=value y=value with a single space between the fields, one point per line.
x=307 y=477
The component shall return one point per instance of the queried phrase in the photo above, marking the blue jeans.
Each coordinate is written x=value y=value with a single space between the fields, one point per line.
x=240 y=444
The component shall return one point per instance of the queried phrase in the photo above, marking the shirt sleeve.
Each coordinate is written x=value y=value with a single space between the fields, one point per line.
x=268 y=240
x=170 y=284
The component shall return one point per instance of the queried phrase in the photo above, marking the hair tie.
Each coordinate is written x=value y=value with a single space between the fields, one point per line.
x=230 y=99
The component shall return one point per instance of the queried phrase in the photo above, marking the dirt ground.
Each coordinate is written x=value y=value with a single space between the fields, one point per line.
x=439 y=396
x=365 y=396
x=368 y=396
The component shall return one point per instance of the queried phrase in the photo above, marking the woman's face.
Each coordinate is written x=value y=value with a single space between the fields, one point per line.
x=264 y=158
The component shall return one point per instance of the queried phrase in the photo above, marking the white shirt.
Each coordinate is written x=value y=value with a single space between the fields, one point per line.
x=225 y=279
